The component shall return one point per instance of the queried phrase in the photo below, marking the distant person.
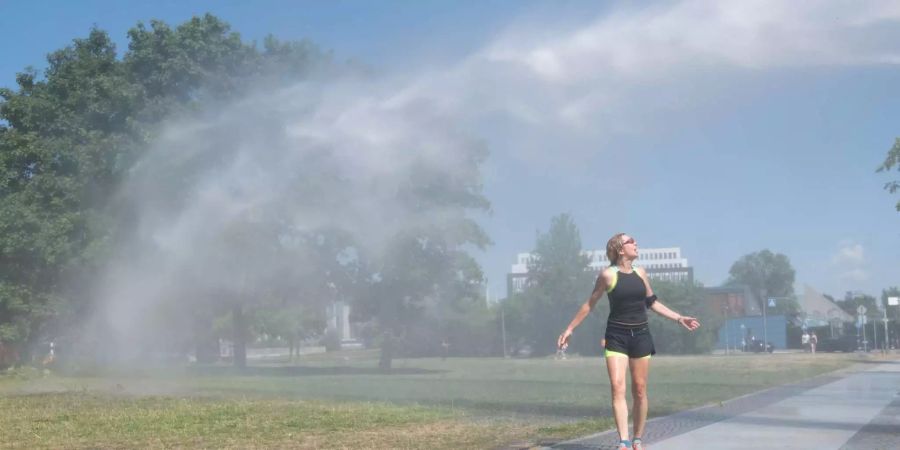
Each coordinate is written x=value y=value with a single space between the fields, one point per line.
x=804 y=341
x=628 y=343
x=813 y=341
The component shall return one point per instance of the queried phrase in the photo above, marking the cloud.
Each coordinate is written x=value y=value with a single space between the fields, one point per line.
x=565 y=89
x=650 y=42
x=849 y=253
x=850 y=260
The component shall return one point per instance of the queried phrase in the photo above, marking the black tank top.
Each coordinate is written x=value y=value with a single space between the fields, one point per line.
x=627 y=300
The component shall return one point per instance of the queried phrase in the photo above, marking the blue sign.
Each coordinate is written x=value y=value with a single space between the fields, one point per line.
x=771 y=303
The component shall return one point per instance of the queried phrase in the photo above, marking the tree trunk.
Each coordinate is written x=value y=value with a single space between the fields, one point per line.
x=206 y=344
x=387 y=352
x=239 y=336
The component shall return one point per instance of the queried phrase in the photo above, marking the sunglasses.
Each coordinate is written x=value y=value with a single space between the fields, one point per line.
x=629 y=241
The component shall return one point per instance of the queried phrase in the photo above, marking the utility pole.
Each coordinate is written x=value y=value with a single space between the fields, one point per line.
x=884 y=347
x=727 y=329
x=861 y=312
x=765 y=300
x=503 y=329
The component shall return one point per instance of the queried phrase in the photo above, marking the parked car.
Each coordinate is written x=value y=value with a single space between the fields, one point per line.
x=846 y=343
x=756 y=346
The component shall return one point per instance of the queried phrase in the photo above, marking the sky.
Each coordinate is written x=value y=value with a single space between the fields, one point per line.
x=722 y=128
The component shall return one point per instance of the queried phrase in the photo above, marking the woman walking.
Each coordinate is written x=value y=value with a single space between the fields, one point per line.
x=629 y=344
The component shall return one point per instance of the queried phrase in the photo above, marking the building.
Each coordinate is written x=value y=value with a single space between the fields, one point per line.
x=739 y=306
x=819 y=311
x=733 y=301
x=662 y=264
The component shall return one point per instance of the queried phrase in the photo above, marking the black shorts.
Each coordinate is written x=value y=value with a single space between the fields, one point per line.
x=636 y=342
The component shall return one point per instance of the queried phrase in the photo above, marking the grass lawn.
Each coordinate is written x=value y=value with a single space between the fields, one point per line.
x=340 y=401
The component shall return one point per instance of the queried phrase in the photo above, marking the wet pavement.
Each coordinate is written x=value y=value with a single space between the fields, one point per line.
x=853 y=410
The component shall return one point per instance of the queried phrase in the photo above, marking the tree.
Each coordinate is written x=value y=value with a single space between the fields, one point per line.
x=768 y=275
x=426 y=260
x=852 y=302
x=54 y=155
x=71 y=138
x=559 y=281
x=687 y=299
x=892 y=160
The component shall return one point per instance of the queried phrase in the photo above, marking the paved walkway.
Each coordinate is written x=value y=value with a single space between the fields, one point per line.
x=859 y=410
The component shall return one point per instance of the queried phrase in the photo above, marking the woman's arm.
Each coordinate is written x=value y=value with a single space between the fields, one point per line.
x=599 y=289
x=688 y=322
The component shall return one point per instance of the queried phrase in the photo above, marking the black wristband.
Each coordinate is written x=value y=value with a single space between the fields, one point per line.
x=649 y=301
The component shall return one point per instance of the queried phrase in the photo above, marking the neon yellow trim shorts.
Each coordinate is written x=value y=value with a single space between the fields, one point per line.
x=610 y=353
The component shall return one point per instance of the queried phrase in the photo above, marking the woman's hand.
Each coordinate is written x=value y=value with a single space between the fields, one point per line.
x=688 y=322
x=563 y=340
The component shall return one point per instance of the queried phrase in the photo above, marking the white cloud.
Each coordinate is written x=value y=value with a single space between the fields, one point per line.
x=849 y=253
x=565 y=88
x=649 y=42
x=849 y=261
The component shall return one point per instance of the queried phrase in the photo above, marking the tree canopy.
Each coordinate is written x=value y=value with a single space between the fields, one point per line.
x=890 y=162
x=559 y=281
x=768 y=275
x=90 y=135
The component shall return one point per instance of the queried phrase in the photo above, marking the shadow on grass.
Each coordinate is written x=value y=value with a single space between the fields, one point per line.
x=299 y=371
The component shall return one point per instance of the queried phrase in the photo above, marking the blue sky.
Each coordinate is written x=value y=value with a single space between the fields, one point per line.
x=723 y=129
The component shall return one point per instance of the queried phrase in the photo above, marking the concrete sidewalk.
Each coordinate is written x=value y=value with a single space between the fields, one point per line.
x=860 y=409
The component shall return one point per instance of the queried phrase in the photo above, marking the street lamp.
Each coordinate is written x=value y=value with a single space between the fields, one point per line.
x=765 y=300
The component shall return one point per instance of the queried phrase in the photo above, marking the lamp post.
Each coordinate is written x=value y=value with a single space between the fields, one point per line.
x=765 y=325
x=727 y=329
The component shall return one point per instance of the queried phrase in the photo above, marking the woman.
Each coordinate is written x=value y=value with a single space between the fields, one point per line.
x=628 y=341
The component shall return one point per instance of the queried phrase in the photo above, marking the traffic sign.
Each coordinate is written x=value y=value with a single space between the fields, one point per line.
x=893 y=301
x=861 y=310
x=771 y=303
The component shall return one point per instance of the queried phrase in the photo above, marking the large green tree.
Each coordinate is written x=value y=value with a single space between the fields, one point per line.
x=427 y=261
x=57 y=155
x=559 y=281
x=890 y=162
x=687 y=299
x=768 y=275
x=68 y=139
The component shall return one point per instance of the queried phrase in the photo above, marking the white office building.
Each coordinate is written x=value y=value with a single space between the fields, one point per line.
x=665 y=263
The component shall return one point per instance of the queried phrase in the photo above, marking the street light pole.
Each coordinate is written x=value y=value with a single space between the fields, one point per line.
x=765 y=300
x=503 y=329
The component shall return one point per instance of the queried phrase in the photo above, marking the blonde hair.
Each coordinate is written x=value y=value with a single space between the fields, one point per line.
x=612 y=248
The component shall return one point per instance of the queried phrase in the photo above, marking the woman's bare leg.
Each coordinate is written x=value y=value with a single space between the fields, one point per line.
x=617 y=365
x=640 y=367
